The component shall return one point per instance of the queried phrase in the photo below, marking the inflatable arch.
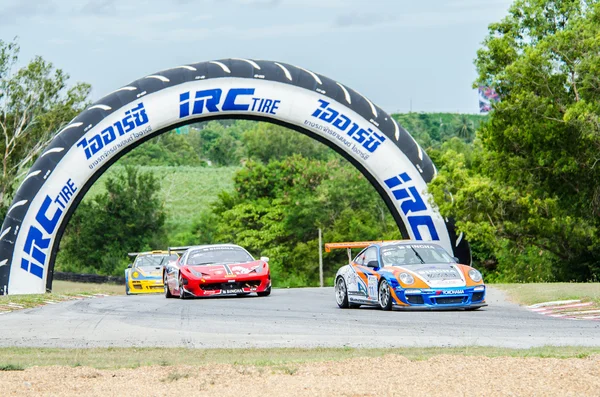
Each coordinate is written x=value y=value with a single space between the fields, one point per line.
x=276 y=92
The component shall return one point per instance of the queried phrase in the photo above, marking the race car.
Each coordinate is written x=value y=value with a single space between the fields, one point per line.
x=216 y=270
x=144 y=275
x=406 y=274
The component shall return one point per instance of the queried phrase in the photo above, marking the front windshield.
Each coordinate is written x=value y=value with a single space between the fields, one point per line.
x=212 y=255
x=154 y=260
x=414 y=254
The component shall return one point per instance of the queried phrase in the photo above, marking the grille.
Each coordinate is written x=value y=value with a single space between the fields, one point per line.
x=477 y=296
x=449 y=300
x=414 y=299
x=228 y=286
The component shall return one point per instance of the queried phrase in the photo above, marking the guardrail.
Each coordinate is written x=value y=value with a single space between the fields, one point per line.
x=88 y=278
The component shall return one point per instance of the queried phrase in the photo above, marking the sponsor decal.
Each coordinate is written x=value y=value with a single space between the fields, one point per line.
x=412 y=205
x=232 y=291
x=214 y=100
x=37 y=242
x=454 y=292
x=372 y=280
x=134 y=118
x=242 y=269
x=366 y=138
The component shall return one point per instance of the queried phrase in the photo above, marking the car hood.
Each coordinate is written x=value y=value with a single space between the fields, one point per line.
x=438 y=275
x=148 y=272
x=228 y=270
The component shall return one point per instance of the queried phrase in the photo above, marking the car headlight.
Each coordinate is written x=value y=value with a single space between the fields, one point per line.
x=196 y=273
x=475 y=275
x=406 y=278
x=135 y=275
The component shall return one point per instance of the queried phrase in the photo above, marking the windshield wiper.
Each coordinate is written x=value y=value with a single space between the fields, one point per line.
x=417 y=254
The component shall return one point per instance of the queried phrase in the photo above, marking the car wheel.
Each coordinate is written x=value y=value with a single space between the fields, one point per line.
x=181 y=290
x=266 y=292
x=385 y=297
x=341 y=293
x=168 y=293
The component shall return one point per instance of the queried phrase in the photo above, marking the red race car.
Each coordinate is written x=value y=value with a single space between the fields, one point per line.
x=215 y=270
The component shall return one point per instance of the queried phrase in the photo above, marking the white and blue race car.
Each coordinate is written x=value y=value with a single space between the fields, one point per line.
x=407 y=274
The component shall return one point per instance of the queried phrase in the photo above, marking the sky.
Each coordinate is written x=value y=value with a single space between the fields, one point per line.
x=405 y=55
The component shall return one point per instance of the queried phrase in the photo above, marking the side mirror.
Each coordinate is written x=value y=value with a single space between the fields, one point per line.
x=129 y=266
x=264 y=258
x=374 y=263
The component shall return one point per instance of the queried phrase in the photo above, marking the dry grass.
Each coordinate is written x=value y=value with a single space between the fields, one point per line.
x=531 y=293
x=283 y=360
x=387 y=375
x=62 y=290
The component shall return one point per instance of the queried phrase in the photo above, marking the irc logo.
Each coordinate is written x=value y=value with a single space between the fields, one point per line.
x=369 y=139
x=236 y=99
x=36 y=245
x=412 y=205
x=134 y=118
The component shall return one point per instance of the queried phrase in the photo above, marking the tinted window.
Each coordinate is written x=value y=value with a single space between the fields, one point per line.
x=154 y=260
x=212 y=255
x=370 y=255
x=359 y=260
x=414 y=254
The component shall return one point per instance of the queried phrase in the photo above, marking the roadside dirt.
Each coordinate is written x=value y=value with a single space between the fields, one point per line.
x=442 y=375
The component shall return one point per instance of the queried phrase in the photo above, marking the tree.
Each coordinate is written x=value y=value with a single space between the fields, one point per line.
x=128 y=217
x=465 y=128
x=267 y=142
x=535 y=187
x=34 y=104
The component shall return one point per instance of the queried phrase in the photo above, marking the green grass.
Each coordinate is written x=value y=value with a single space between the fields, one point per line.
x=281 y=359
x=532 y=293
x=186 y=191
x=61 y=290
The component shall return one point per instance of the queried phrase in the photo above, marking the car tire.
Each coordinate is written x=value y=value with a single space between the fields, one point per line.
x=168 y=293
x=266 y=292
x=181 y=290
x=341 y=293
x=385 y=296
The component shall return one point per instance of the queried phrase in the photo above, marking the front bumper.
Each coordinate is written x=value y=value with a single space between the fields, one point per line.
x=440 y=298
x=231 y=286
x=145 y=286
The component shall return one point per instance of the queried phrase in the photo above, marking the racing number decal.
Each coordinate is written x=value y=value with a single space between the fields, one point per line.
x=372 y=287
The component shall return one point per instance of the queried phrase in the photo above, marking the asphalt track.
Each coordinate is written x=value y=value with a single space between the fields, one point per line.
x=305 y=317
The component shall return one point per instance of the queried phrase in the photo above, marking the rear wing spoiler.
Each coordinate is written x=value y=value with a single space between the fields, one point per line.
x=177 y=250
x=354 y=244
x=134 y=254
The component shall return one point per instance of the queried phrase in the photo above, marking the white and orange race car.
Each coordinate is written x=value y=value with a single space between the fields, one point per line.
x=407 y=274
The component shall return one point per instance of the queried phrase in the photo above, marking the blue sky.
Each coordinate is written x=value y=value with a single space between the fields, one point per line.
x=393 y=51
